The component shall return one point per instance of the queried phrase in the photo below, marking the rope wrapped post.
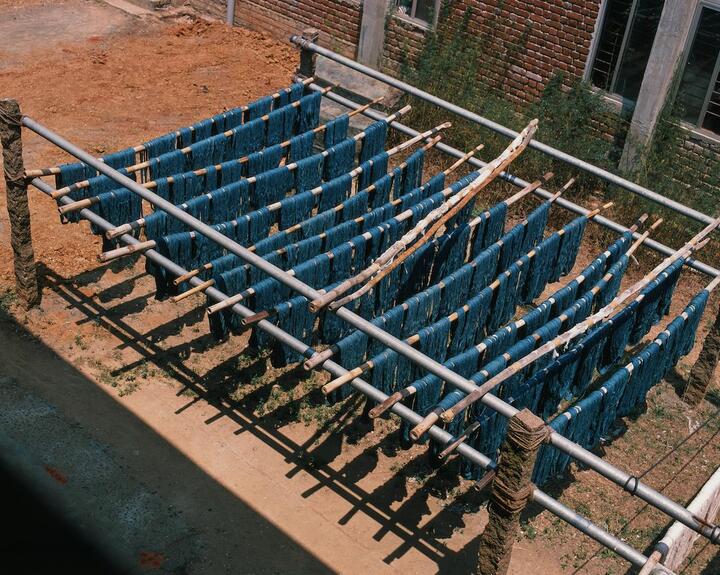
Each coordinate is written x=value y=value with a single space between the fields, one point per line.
x=702 y=372
x=26 y=278
x=511 y=491
x=308 y=58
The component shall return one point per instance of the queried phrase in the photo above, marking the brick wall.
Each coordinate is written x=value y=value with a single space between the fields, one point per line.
x=337 y=20
x=403 y=43
x=698 y=174
x=526 y=41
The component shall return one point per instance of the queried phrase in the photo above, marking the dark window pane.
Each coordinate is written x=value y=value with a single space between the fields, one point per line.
x=699 y=69
x=617 y=14
x=712 y=116
x=424 y=10
x=637 y=48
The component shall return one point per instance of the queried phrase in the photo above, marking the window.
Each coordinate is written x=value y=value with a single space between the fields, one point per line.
x=424 y=12
x=698 y=98
x=624 y=44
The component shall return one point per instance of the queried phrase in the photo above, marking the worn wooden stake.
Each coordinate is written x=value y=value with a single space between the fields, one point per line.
x=26 y=279
x=307 y=57
x=701 y=375
x=511 y=491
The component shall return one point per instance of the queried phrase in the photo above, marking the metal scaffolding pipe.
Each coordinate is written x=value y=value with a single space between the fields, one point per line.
x=519 y=182
x=500 y=129
x=543 y=499
x=665 y=504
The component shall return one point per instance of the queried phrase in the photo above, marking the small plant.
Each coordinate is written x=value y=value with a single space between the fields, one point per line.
x=584 y=510
x=659 y=411
x=80 y=342
x=8 y=298
x=529 y=531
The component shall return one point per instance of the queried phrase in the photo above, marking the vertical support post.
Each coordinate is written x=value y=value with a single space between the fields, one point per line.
x=371 y=40
x=657 y=84
x=230 y=13
x=511 y=490
x=26 y=278
x=308 y=58
x=702 y=372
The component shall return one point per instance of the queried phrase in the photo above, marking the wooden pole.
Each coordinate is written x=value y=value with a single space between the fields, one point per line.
x=150 y=184
x=652 y=563
x=486 y=175
x=511 y=491
x=432 y=417
x=695 y=244
x=338 y=208
x=54 y=170
x=26 y=279
x=308 y=58
x=413 y=340
x=701 y=375
x=124 y=228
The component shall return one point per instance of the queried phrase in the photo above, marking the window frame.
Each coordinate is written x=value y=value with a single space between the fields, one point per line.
x=419 y=22
x=696 y=128
x=609 y=93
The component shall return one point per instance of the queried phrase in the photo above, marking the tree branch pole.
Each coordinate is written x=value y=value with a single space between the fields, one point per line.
x=239 y=297
x=582 y=327
x=379 y=410
x=297 y=227
x=319 y=357
x=250 y=291
x=486 y=175
x=411 y=340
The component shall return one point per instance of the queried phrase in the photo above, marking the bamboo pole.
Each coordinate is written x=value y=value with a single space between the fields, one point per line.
x=695 y=244
x=469 y=430
x=322 y=356
x=126 y=228
x=146 y=164
x=91 y=201
x=142 y=165
x=315 y=191
x=518 y=324
x=292 y=229
x=486 y=175
x=54 y=170
x=239 y=297
x=415 y=338
x=88 y=202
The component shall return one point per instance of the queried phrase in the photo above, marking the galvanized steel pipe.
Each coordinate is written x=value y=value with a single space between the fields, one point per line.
x=500 y=129
x=440 y=435
x=519 y=182
x=649 y=495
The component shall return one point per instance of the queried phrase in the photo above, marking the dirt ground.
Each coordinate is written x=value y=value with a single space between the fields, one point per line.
x=319 y=491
